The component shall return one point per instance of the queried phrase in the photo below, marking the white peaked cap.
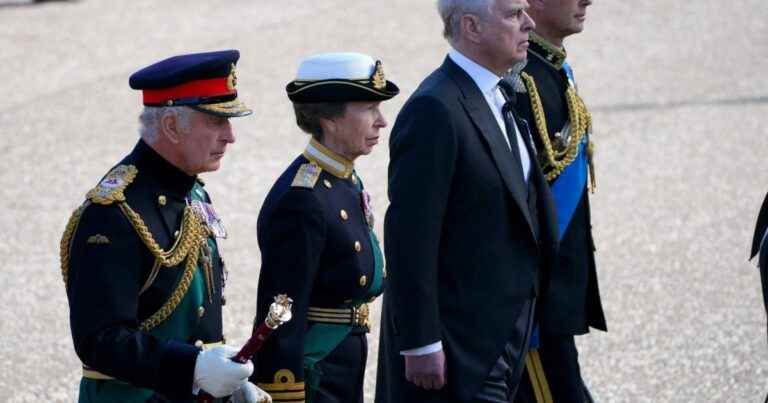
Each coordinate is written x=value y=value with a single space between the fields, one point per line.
x=328 y=66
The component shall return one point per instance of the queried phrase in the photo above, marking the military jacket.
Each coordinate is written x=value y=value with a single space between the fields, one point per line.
x=144 y=280
x=560 y=122
x=317 y=246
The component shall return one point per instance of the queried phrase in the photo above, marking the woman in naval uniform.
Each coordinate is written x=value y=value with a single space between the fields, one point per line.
x=315 y=232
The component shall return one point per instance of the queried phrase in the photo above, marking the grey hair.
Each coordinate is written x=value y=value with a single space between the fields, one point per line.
x=451 y=12
x=149 y=120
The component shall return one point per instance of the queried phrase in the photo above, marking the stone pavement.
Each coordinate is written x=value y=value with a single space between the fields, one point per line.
x=679 y=98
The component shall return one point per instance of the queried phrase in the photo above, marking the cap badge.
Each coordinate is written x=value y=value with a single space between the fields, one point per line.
x=378 y=80
x=232 y=78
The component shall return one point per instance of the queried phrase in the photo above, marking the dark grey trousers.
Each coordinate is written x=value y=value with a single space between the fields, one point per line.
x=501 y=384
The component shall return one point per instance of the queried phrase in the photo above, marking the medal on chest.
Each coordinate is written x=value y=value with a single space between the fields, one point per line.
x=365 y=201
x=212 y=221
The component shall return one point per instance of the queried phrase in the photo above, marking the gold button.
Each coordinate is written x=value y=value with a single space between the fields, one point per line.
x=200 y=312
x=358 y=247
x=344 y=215
x=363 y=281
x=161 y=200
x=199 y=344
x=327 y=183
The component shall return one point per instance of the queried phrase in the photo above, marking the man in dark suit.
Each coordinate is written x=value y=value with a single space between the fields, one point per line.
x=470 y=230
x=561 y=127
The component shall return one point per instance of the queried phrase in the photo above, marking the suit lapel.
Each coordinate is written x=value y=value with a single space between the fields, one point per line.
x=480 y=114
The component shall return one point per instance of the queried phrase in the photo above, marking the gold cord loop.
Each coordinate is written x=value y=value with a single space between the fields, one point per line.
x=553 y=162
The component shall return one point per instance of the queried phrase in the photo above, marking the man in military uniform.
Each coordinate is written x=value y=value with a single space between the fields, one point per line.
x=139 y=257
x=561 y=127
x=315 y=232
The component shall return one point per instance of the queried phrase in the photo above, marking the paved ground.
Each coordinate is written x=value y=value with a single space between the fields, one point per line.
x=679 y=99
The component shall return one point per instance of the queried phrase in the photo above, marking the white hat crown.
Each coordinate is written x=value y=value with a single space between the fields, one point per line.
x=340 y=66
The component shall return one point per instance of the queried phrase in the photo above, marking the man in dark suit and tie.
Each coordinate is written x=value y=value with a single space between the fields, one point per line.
x=470 y=232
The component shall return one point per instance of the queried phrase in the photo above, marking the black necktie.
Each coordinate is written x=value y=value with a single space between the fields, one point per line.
x=507 y=112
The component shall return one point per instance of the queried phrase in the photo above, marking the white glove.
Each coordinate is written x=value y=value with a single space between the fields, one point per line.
x=216 y=374
x=250 y=393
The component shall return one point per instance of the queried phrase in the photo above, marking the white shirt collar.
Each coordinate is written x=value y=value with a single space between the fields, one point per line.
x=486 y=80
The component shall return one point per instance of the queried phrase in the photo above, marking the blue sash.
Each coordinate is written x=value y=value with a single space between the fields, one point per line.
x=570 y=184
x=567 y=190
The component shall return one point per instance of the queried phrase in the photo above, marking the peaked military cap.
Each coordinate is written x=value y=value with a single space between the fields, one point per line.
x=203 y=81
x=340 y=77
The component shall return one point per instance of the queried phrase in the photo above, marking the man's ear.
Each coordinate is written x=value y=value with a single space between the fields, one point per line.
x=169 y=127
x=471 y=27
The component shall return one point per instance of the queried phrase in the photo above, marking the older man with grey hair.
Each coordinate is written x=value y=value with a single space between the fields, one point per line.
x=470 y=232
x=140 y=259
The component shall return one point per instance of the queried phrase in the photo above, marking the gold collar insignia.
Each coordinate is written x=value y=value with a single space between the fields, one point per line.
x=551 y=54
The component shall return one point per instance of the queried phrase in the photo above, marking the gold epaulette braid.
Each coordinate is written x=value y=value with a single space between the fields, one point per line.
x=552 y=161
x=66 y=241
x=192 y=236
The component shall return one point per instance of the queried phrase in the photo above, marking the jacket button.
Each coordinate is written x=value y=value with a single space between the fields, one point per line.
x=344 y=215
x=199 y=344
x=161 y=200
x=363 y=281
x=358 y=246
x=200 y=312
x=327 y=183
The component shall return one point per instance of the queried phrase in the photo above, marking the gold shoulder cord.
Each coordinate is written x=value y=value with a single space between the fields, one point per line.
x=192 y=236
x=65 y=245
x=553 y=162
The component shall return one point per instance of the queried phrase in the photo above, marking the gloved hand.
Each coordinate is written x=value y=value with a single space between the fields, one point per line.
x=250 y=393
x=217 y=374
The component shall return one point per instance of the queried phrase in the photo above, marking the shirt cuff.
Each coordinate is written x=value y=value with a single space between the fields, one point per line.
x=428 y=349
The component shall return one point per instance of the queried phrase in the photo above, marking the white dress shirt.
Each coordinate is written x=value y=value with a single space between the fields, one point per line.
x=488 y=84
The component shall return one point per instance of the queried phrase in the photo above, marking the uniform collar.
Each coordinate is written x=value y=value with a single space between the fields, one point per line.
x=486 y=80
x=151 y=164
x=328 y=160
x=544 y=50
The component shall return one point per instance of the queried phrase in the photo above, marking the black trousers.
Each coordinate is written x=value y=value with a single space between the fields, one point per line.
x=552 y=373
x=502 y=382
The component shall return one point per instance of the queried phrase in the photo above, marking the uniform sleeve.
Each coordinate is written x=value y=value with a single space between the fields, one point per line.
x=103 y=288
x=293 y=239
x=423 y=149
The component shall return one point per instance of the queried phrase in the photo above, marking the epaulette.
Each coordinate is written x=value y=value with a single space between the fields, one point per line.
x=111 y=188
x=306 y=176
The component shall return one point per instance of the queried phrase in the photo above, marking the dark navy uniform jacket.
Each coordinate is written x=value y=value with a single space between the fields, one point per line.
x=317 y=247
x=572 y=303
x=114 y=286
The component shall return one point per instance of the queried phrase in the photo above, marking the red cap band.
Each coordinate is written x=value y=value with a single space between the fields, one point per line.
x=213 y=87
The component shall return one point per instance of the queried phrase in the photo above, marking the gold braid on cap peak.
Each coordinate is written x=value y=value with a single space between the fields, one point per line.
x=554 y=162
